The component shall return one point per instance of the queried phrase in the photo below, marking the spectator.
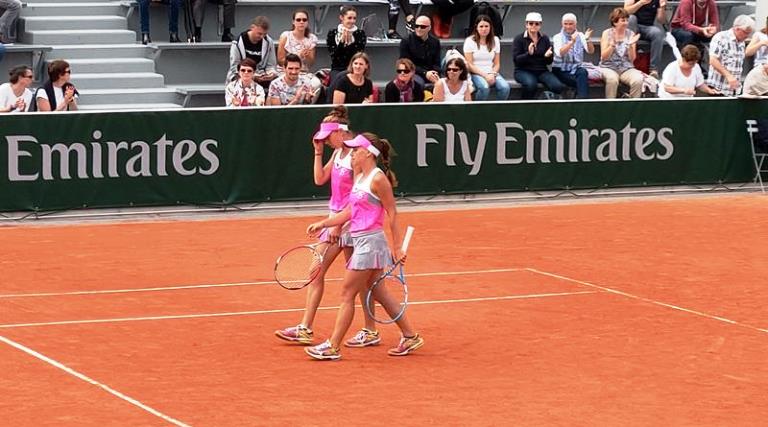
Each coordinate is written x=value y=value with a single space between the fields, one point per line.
x=756 y=83
x=482 y=51
x=455 y=87
x=354 y=87
x=643 y=15
x=245 y=91
x=726 y=56
x=173 y=20
x=11 y=9
x=423 y=49
x=532 y=51
x=404 y=88
x=394 y=12
x=345 y=41
x=618 y=48
x=682 y=77
x=758 y=46
x=15 y=96
x=300 y=41
x=57 y=94
x=198 y=14
x=695 y=22
x=569 y=46
x=292 y=87
x=256 y=44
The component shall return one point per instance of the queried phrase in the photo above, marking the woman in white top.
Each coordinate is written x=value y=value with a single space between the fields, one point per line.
x=682 y=77
x=759 y=46
x=15 y=97
x=244 y=91
x=482 y=51
x=302 y=42
x=454 y=87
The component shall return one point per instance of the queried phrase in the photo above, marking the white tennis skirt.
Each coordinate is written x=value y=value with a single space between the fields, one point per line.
x=345 y=238
x=370 y=251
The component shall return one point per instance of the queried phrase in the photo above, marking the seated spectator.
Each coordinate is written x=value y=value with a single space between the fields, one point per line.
x=244 y=91
x=455 y=87
x=423 y=49
x=756 y=82
x=355 y=87
x=198 y=14
x=293 y=87
x=173 y=20
x=569 y=46
x=15 y=96
x=57 y=94
x=618 y=49
x=643 y=17
x=300 y=41
x=726 y=56
x=482 y=51
x=758 y=46
x=532 y=51
x=10 y=11
x=682 y=77
x=404 y=88
x=345 y=41
x=255 y=44
x=695 y=22
x=394 y=12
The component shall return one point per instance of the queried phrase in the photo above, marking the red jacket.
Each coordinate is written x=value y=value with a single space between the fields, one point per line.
x=690 y=17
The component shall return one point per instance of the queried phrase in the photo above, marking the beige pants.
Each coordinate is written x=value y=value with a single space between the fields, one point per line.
x=632 y=78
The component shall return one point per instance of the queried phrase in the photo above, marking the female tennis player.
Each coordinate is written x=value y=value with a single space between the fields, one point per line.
x=333 y=131
x=371 y=196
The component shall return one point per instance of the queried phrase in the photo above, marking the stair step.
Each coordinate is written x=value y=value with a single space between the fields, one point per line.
x=79 y=37
x=117 y=80
x=100 y=51
x=95 y=22
x=73 y=9
x=141 y=96
x=112 y=65
x=30 y=2
x=130 y=107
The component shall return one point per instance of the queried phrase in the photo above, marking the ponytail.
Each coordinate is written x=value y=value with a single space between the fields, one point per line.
x=385 y=158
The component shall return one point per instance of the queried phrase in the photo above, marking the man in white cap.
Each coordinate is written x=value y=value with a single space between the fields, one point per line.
x=532 y=53
x=569 y=46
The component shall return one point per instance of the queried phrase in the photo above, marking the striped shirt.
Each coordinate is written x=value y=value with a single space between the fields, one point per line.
x=730 y=52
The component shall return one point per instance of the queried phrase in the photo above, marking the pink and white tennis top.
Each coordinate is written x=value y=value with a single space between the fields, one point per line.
x=341 y=181
x=367 y=210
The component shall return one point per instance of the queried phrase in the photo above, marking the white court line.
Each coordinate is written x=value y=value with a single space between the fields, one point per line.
x=285 y=310
x=89 y=380
x=225 y=285
x=648 y=300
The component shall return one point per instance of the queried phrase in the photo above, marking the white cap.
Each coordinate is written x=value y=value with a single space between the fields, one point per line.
x=533 y=17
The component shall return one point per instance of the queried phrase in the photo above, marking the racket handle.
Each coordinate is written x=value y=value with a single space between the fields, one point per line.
x=407 y=239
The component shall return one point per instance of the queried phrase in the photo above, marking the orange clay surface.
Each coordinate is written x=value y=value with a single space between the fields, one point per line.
x=627 y=312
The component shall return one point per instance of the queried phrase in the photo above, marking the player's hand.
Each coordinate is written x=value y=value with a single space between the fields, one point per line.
x=315 y=228
x=334 y=233
x=400 y=255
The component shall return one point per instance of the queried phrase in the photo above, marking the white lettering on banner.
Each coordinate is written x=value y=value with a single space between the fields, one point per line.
x=87 y=160
x=573 y=145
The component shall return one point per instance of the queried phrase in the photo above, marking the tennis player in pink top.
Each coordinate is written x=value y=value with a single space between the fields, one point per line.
x=371 y=197
x=333 y=131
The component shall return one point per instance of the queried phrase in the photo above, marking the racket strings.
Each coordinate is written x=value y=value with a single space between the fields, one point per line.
x=298 y=267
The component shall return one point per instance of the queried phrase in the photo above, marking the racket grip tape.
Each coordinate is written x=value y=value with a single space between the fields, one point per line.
x=407 y=238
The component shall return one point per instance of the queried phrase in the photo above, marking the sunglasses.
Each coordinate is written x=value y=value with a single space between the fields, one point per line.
x=537 y=24
x=401 y=71
x=421 y=27
x=452 y=69
x=246 y=70
x=67 y=71
x=30 y=76
x=300 y=19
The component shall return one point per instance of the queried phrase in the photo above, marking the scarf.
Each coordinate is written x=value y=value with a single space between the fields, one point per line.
x=406 y=90
x=574 y=57
x=340 y=31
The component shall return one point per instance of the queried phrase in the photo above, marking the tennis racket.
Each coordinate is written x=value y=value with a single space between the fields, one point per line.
x=391 y=286
x=299 y=266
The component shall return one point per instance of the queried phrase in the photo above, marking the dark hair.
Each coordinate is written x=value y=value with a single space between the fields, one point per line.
x=293 y=18
x=690 y=53
x=56 y=69
x=261 y=22
x=385 y=158
x=339 y=114
x=489 y=41
x=617 y=14
x=461 y=64
x=363 y=56
x=292 y=57
x=18 y=72
x=346 y=9
x=247 y=62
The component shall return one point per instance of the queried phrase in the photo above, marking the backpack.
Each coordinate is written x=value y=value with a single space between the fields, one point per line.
x=485 y=8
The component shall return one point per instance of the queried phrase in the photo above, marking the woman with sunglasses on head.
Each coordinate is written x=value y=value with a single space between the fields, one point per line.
x=454 y=87
x=57 y=94
x=302 y=42
x=244 y=91
x=404 y=88
x=15 y=96
x=370 y=199
x=482 y=51
x=338 y=170
x=533 y=53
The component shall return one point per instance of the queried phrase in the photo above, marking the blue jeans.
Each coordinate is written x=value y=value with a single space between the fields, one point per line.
x=578 y=80
x=482 y=90
x=529 y=80
x=173 y=15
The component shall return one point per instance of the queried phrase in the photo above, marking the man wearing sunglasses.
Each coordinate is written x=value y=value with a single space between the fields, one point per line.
x=423 y=49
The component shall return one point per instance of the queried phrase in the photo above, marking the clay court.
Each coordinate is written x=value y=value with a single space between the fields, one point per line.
x=645 y=311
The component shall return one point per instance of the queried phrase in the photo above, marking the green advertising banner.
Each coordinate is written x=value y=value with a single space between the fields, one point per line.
x=64 y=161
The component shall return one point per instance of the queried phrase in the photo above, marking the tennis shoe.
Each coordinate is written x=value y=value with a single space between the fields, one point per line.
x=323 y=351
x=298 y=334
x=407 y=345
x=364 y=338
